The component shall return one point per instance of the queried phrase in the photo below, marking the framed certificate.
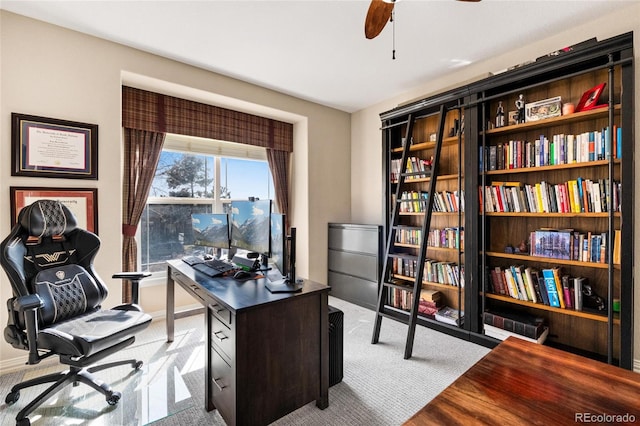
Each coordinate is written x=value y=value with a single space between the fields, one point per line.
x=47 y=147
x=83 y=203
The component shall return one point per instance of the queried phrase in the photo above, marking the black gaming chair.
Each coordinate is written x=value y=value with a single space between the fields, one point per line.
x=55 y=308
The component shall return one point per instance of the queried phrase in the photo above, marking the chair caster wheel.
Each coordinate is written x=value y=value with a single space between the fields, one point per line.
x=138 y=365
x=114 y=398
x=12 y=397
x=23 y=422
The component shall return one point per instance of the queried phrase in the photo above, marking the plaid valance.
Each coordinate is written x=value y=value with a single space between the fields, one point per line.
x=144 y=110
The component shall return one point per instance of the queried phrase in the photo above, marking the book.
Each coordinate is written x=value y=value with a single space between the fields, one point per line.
x=566 y=291
x=501 y=334
x=430 y=296
x=538 y=282
x=558 y=282
x=552 y=289
x=449 y=315
x=511 y=284
x=525 y=325
x=533 y=291
x=523 y=293
x=577 y=282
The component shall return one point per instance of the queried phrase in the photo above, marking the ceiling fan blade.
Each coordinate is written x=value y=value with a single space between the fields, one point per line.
x=378 y=15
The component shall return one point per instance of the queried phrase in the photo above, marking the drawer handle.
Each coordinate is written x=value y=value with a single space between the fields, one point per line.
x=215 y=382
x=217 y=308
x=220 y=339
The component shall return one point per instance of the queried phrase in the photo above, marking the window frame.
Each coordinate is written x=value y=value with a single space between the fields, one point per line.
x=209 y=147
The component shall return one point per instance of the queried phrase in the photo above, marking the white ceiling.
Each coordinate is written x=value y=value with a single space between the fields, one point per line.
x=316 y=50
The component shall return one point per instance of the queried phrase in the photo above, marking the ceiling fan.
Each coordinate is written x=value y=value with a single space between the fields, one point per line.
x=379 y=14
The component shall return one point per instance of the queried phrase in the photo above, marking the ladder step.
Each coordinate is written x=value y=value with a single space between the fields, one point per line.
x=403 y=320
x=424 y=174
x=403 y=256
x=398 y=285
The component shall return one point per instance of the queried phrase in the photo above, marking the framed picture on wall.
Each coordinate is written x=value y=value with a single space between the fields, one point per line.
x=47 y=147
x=83 y=203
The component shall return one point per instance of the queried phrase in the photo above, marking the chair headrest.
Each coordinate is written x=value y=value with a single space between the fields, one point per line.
x=47 y=218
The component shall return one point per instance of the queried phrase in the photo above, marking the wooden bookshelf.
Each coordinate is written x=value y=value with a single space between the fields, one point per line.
x=522 y=155
x=581 y=314
x=470 y=117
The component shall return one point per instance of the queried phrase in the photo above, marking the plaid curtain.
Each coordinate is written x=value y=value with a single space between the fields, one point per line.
x=141 y=153
x=279 y=165
x=166 y=114
x=152 y=115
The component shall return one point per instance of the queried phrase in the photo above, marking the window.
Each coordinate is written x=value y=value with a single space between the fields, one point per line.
x=196 y=175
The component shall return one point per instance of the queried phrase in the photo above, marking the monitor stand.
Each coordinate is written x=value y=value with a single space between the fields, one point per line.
x=283 y=286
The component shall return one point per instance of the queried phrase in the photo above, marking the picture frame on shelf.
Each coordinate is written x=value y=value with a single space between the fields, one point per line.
x=513 y=118
x=49 y=147
x=83 y=202
x=589 y=99
x=541 y=110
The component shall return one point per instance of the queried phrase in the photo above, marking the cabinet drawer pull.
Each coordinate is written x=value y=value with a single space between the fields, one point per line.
x=220 y=339
x=217 y=308
x=215 y=382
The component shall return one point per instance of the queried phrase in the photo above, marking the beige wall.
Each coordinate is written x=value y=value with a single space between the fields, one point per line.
x=366 y=147
x=53 y=72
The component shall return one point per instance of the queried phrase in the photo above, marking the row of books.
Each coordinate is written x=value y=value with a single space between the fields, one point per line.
x=548 y=286
x=429 y=307
x=430 y=301
x=501 y=325
x=434 y=271
x=574 y=196
x=417 y=168
x=444 y=201
x=452 y=237
x=568 y=244
x=561 y=149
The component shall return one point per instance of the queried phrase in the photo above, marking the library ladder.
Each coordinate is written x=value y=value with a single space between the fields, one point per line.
x=387 y=282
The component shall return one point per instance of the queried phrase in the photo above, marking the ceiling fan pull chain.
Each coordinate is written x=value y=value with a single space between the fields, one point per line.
x=393 y=22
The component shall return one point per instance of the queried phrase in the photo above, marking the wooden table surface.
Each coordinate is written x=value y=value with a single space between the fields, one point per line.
x=522 y=383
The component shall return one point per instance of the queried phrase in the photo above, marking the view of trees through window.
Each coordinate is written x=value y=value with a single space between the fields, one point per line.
x=187 y=183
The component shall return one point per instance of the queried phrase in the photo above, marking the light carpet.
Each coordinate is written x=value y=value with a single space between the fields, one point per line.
x=379 y=387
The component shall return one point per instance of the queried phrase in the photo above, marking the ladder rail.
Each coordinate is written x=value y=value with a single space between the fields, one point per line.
x=428 y=209
x=382 y=293
x=417 y=286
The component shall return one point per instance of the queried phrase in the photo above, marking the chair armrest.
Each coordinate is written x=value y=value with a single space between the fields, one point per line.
x=28 y=306
x=28 y=302
x=135 y=278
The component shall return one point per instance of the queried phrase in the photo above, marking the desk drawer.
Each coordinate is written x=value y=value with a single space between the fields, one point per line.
x=221 y=313
x=189 y=286
x=222 y=387
x=223 y=338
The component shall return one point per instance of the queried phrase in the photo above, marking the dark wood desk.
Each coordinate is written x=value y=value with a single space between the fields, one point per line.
x=268 y=354
x=522 y=383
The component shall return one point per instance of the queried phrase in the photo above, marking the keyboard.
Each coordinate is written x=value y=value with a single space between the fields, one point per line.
x=220 y=265
x=192 y=260
x=207 y=270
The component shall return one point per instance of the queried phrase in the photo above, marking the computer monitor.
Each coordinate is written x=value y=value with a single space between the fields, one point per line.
x=250 y=226
x=210 y=230
x=278 y=243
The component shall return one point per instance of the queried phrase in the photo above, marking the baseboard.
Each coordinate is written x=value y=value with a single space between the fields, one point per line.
x=19 y=363
x=636 y=365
